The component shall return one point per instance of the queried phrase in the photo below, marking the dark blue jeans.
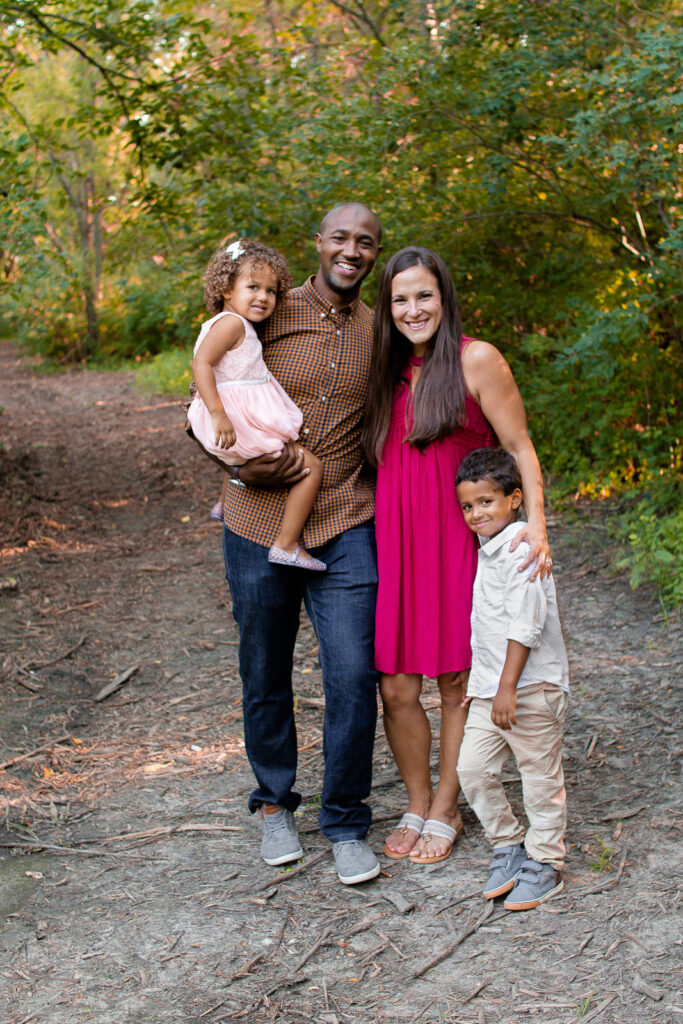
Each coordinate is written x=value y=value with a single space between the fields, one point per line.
x=266 y=602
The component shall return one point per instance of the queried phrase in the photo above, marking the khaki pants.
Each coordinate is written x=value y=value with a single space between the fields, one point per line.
x=536 y=742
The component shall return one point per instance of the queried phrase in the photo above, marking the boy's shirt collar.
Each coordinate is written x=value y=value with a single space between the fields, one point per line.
x=490 y=545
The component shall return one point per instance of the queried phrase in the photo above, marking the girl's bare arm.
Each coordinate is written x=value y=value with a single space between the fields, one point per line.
x=225 y=334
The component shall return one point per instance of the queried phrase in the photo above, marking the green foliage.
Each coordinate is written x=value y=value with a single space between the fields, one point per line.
x=604 y=857
x=535 y=146
x=582 y=1008
x=167 y=373
x=652 y=535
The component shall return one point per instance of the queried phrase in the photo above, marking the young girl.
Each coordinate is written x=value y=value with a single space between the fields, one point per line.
x=240 y=411
x=434 y=396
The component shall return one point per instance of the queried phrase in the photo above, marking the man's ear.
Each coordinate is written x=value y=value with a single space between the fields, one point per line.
x=318 y=240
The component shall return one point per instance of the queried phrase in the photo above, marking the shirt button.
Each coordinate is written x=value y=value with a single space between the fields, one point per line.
x=338 y=332
x=332 y=365
x=332 y=309
x=322 y=398
x=305 y=430
x=322 y=316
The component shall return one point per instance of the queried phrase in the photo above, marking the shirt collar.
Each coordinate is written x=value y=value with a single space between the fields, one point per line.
x=316 y=300
x=493 y=544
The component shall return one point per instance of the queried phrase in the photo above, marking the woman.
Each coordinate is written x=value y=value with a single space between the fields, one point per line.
x=434 y=396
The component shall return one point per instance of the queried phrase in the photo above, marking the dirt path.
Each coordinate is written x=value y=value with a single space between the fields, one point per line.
x=130 y=884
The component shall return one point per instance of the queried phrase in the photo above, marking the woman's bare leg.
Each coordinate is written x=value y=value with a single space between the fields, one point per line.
x=299 y=504
x=444 y=806
x=407 y=729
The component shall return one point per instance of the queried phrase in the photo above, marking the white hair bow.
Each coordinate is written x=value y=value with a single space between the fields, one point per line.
x=235 y=250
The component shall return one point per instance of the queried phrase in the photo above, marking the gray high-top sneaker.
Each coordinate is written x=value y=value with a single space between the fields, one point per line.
x=279 y=843
x=535 y=884
x=503 y=870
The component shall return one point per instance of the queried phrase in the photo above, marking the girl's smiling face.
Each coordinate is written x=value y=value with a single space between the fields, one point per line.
x=486 y=509
x=254 y=292
x=416 y=306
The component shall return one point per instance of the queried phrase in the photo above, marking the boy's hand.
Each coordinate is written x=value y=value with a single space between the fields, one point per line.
x=224 y=431
x=503 y=710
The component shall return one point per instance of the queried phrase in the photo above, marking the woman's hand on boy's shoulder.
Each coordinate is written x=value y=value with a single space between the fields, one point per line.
x=535 y=536
x=276 y=470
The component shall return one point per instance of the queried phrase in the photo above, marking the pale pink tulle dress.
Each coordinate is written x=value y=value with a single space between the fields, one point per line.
x=262 y=413
x=426 y=555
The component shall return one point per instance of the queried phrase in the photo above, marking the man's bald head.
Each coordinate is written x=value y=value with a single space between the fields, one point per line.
x=356 y=208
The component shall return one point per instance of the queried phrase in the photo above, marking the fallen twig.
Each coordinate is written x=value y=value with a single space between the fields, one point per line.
x=69 y=608
x=598 y=1010
x=461 y=899
x=621 y=816
x=474 y=993
x=322 y=940
x=169 y=830
x=445 y=953
x=242 y=972
x=38 y=845
x=285 y=876
x=32 y=753
x=27 y=686
x=122 y=678
x=640 y=985
x=35 y=665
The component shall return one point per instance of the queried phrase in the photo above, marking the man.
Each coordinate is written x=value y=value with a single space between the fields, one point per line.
x=318 y=348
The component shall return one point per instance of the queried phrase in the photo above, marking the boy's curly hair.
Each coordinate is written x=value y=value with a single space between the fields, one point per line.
x=223 y=269
x=496 y=465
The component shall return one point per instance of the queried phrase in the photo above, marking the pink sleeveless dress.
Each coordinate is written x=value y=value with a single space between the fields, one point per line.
x=262 y=413
x=426 y=555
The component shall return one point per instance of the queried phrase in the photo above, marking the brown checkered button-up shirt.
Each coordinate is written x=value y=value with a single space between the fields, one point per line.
x=321 y=357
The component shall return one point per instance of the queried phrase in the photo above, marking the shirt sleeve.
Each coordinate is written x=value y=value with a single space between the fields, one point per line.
x=525 y=602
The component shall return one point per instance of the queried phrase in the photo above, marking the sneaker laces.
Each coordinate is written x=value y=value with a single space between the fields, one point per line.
x=276 y=822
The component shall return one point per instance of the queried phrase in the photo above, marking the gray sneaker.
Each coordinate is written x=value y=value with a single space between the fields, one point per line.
x=279 y=843
x=535 y=884
x=503 y=870
x=355 y=861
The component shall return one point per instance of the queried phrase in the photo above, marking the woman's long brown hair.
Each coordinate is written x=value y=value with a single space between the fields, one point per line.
x=438 y=404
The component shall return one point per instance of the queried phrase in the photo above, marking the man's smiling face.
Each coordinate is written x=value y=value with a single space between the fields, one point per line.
x=348 y=246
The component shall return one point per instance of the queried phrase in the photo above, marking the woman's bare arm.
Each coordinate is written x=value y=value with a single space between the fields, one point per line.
x=490 y=382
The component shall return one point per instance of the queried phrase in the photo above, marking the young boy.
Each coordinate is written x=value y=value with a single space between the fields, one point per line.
x=517 y=691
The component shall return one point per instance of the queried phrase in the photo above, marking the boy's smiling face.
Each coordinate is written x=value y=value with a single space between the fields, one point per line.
x=486 y=509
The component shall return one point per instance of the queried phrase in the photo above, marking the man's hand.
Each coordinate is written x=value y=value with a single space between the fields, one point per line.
x=503 y=710
x=274 y=471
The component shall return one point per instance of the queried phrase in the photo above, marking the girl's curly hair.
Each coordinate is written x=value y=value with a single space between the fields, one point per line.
x=222 y=271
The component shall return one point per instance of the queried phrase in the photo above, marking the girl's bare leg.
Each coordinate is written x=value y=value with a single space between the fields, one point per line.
x=299 y=504
x=444 y=806
x=407 y=729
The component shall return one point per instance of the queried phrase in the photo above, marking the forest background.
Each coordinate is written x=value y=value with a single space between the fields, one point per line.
x=535 y=145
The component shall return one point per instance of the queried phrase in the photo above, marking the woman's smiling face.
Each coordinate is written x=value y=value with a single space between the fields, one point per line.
x=416 y=306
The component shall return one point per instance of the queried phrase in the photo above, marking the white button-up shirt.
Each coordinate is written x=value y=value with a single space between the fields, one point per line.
x=507 y=606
